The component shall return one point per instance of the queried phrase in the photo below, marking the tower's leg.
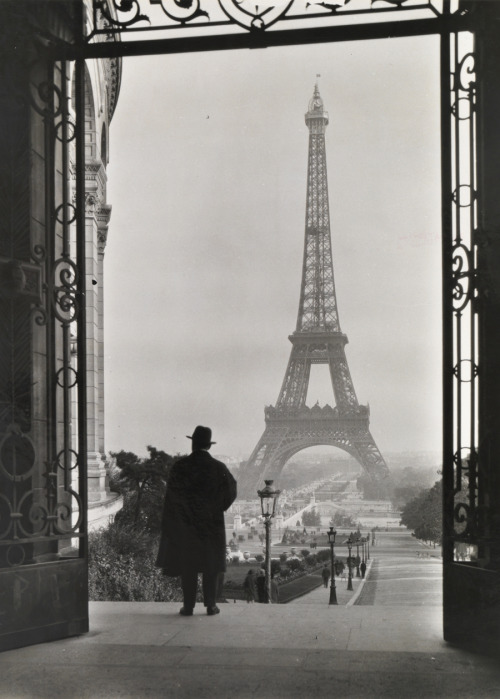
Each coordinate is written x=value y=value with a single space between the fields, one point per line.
x=343 y=387
x=369 y=456
x=262 y=461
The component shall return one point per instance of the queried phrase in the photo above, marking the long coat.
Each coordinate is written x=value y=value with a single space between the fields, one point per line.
x=193 y=537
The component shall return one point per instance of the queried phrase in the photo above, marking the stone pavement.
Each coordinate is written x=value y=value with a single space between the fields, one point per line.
x=141 y=649
x=402 y=579
x=304 y=649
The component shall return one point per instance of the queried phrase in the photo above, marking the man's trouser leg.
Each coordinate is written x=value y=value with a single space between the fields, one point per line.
x=189 y=581
x=209 y=589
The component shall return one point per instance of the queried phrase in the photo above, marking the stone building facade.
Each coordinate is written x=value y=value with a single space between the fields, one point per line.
x=102 y=87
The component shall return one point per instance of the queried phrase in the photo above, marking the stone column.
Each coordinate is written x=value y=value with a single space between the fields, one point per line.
x=103 y=216
x=95 y=184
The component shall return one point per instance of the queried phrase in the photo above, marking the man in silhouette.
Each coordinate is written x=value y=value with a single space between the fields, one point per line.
x=193 y=537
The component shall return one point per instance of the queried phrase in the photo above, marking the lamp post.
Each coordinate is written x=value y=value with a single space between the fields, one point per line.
x=358 y=573
x=368 y=546
x=331 y=540
x=268 y=498
x=349 y=568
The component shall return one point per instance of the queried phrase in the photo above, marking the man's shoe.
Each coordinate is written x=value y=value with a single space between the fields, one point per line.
x=213 y=610
x=186 y=612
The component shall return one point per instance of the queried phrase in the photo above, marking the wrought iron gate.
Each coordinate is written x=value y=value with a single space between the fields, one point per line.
x=43 y=290
x=43 y=480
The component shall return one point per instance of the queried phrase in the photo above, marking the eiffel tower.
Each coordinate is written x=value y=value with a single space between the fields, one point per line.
x=291 y=425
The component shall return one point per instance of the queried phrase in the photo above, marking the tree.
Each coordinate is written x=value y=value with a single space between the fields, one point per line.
x=402 y=494
x=142 y=482
x=423 y=514
x=311 y=518
x=342 y=519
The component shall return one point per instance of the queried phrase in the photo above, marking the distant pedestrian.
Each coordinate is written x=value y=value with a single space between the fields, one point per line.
x=260 y=585
x=325 y=574
x=249 y=586
x=193 y=538
x=275 y=593
x=362 y=568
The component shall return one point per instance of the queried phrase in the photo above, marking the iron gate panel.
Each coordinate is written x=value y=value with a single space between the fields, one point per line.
x=43 y=504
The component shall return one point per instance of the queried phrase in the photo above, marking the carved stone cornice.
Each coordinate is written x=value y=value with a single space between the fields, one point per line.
x=102 y=237
x=95 y=176
x=112 y=66
x=103 y=214
x=91 y=203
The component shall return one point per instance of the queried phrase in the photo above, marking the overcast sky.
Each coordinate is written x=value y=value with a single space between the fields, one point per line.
x=207 y=179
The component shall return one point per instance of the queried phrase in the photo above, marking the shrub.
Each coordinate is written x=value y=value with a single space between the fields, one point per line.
x=121 y=567
x=275 y=568
x=285 y=573
x=295 y=564
x=323 y=555
x=283 y=557
x=259 y=557
x=236 y=560
x=311 y=560
x=304 y=553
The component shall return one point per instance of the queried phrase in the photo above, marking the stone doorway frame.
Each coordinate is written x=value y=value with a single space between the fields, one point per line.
x=470 y=101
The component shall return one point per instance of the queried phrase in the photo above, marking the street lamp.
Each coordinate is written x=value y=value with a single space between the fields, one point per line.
x=358 y=574
x=368 y=546
x=268 y=498
x=331 y=540
x=349 y=568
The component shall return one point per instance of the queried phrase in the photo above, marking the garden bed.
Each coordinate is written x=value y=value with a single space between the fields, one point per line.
x=298 y=583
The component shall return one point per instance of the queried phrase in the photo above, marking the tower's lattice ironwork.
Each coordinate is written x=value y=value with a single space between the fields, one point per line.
x=291 y=425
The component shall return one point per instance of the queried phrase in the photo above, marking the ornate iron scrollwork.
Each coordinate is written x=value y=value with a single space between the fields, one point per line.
x=182 y=11
x=465 y=509
x=137 y=16
x=65 y=297
x=463 y=284
x=39 y=502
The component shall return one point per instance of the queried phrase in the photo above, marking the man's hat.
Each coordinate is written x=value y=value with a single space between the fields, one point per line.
x=202 y=436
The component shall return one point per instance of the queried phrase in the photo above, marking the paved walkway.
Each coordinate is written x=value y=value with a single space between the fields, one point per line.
x=141 y=650
x=321 y=595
